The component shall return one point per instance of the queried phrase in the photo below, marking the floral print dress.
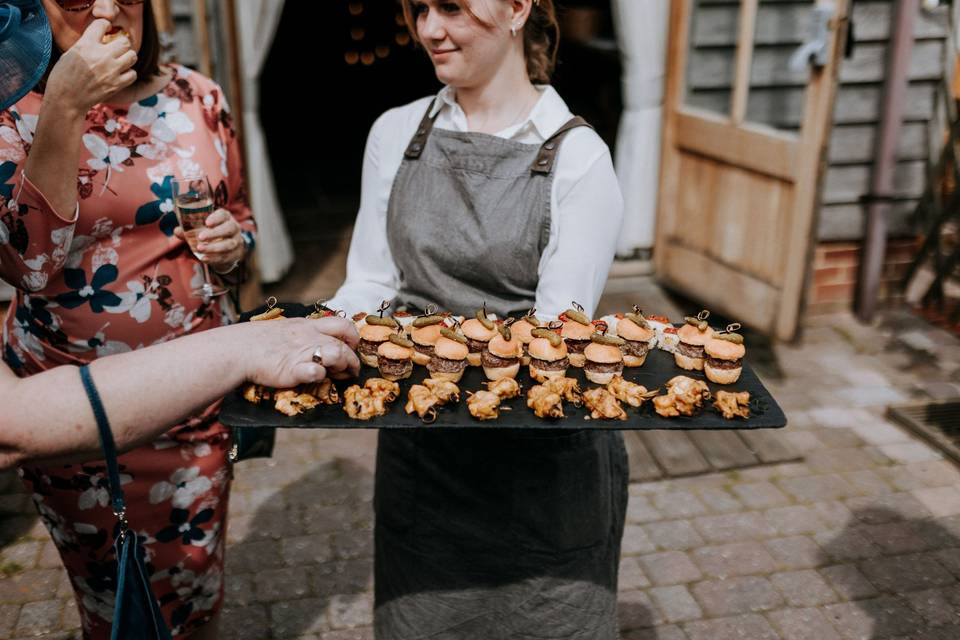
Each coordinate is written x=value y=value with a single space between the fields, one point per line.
x=109 y=278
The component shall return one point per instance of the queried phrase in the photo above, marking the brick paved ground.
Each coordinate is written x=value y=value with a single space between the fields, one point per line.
x=860 y=540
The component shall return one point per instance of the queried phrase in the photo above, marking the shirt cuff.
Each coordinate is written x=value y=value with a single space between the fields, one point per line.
x=36 y=197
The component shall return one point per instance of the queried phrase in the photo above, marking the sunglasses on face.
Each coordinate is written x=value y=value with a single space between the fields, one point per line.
x=83 y=5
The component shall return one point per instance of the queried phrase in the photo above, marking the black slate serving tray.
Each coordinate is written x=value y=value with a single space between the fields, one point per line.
x=659 y=367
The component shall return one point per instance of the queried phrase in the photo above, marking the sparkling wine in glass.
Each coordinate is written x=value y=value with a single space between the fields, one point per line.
x=193 y=203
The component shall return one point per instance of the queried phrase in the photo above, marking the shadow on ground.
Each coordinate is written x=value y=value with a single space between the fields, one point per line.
x=896 y=577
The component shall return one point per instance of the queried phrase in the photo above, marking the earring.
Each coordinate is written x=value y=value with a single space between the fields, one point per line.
x=513 y=30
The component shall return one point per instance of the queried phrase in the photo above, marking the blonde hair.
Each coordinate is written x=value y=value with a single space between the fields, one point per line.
x=541 y=36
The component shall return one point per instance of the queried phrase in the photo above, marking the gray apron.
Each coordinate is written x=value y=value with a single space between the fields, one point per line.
x=489 y=535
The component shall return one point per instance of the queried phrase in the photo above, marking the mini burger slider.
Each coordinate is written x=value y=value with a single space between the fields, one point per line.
x=374 y=332
x=724 y=352
x=521 y=331
x=424 y=333
x=479 y=331
x=449 y=356
x=548 y=355
x=604 y=358
x=638 y=337
x=395 y=358
x=576 y=332
x=693 y=335
x=114 y=33
x=501 y=358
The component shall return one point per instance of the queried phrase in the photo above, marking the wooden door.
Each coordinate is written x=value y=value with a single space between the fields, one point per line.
x=738 y=196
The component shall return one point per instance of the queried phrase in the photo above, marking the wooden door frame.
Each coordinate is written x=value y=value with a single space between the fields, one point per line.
x=801 y=160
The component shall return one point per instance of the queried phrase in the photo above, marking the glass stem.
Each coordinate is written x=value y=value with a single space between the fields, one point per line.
x=207 y=285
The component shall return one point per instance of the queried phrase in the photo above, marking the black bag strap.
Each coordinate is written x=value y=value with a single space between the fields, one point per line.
x=109 y=447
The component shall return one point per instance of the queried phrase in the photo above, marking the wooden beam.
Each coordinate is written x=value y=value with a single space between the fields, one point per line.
x=755 y=147
x=235 y=60
x=251 y=291
x=202 y=28
x=741 y=78
x=811 y=163
x=162 y=15
x=669 y=182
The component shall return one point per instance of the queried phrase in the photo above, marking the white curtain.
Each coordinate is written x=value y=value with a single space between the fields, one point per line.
x=257 y=22
x=642 y=28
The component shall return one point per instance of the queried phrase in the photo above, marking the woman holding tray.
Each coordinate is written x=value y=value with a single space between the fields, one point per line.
x=490 y=192
x=89 y=238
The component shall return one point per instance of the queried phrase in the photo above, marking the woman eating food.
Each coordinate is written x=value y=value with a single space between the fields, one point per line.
x=490 y=192
x=90 y=239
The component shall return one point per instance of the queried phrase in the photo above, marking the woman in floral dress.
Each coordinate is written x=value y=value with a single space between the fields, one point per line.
x=89 y=238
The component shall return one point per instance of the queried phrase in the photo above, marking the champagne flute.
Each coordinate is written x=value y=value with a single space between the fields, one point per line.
x=193 y=203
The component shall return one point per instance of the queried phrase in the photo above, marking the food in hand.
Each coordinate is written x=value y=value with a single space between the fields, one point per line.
x=256 y=393
x=506 y=388
x=629 y=392
x=576 y=332
x=685 y=397
x=449 y=356
x=604 y=359
x=484 y=405
x=324 y=391
x=291 y=402
x=733 y=404
x=395 y=358
x=115 y=33
x=725 y=351
x=603 y=405
x=548 y=355
x=693 y=335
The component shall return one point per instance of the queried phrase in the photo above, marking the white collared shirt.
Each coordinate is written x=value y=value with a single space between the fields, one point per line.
x=586 y=208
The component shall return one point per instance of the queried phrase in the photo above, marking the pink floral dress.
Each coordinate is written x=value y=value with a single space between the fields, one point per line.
x=112 y=279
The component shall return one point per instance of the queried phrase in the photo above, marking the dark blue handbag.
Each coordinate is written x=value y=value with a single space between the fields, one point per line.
x=136 y=613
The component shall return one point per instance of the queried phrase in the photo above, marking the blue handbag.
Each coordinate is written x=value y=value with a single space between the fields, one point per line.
x=136 y=613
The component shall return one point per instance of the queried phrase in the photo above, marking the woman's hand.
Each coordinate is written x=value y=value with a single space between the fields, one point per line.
x=280 y=353
x=90 y=71
x=221 y=244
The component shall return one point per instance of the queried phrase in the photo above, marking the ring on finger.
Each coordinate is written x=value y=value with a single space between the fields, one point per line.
x=318 y=356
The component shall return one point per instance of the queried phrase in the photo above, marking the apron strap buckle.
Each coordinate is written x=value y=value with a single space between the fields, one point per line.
x=548 y=150
x=419 y=141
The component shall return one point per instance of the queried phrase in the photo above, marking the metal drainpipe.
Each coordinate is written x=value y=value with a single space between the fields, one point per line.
x=885 y=157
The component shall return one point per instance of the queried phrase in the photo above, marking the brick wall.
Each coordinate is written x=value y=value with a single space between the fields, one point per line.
x=836 y=267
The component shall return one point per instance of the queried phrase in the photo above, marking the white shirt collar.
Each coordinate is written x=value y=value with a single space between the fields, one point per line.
x=548 y=114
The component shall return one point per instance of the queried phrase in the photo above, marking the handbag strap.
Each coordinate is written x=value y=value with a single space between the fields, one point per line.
x=109 y=447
